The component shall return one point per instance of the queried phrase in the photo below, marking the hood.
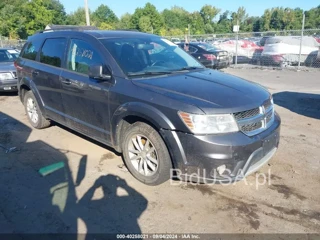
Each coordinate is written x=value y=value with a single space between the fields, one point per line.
x=209 y=90
x=7 y=67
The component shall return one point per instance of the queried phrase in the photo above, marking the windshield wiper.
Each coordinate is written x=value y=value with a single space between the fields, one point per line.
x=148 y=73
x=188 y=68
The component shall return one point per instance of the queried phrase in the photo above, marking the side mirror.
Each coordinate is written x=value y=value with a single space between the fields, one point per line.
x=99 y=72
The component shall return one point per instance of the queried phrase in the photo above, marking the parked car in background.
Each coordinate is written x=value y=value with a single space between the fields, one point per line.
x=246 y=49
x=161 y=109
x=175 y=40
x=285 y=50
x=210 y=56
x=8 y=75
x=263 y=41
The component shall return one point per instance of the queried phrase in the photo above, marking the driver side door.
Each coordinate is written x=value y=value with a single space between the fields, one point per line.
x=85 y=99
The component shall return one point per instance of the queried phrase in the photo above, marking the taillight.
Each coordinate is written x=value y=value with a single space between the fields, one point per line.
x=210 y=57
x=17 y=66
x=277 y=58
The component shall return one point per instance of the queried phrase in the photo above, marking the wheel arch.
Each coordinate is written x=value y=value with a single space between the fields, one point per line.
x=130 y=113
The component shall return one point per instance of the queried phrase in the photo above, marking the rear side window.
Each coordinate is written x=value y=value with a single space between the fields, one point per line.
x=31 y=49
x=52 y=51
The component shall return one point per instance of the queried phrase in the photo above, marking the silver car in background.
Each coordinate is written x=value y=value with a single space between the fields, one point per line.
x=8 y=74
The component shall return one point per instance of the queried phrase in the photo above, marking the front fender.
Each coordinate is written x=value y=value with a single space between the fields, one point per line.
x=138 y=109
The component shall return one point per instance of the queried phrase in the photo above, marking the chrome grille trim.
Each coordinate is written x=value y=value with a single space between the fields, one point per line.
x=255 y=121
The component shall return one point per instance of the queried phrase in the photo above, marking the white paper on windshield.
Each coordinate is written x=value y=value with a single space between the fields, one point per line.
x=168 y=42
x=12 y=51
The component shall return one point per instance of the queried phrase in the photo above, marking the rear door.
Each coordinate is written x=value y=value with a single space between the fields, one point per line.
x=46 y=76
x=85 y=99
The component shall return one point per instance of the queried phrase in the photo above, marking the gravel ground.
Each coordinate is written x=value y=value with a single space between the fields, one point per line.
x=92 y=192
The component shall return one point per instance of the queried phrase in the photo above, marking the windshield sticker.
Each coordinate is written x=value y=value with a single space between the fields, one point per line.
x=84 y=53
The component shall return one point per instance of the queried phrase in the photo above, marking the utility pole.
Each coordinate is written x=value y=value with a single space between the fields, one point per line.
x=87 y=12
x=302 y=30
x=237 y=40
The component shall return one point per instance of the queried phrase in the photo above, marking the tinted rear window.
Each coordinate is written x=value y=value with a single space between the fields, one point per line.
x=31 y=49
x=52 y=51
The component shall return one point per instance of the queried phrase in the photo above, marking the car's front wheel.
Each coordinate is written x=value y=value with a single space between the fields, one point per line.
x=146 y=155
x=33 y=112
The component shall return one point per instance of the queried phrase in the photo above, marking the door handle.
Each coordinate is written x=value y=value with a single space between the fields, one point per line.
x=65 y=81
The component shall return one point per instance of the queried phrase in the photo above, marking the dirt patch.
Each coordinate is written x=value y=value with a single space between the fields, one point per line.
x=286 y=191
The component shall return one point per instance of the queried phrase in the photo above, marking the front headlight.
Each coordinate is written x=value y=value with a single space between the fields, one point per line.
x=4 y=76
x=209 y=124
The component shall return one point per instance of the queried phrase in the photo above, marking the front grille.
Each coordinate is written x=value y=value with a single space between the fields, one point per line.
x=256 y=120
x=251 y=127
x=247 y=114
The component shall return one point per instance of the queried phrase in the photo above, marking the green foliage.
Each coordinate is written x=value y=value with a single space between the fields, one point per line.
x=148 y=11
x=21 y=18
x=77 y=17
x=104 y=15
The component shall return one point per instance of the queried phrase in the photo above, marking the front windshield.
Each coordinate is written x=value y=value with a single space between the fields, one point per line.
x=149 y=55
x=8 y=55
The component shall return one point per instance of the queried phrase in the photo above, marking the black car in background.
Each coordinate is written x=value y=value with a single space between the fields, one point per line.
x=208 y=55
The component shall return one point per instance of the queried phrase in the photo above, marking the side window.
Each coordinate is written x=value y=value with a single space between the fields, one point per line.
x=52 y=51
x=81 y=55
x=31 y=49
x=192 y=49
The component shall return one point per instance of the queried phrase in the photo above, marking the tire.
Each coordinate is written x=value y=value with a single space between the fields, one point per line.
x=34 y=113
x=150 y=173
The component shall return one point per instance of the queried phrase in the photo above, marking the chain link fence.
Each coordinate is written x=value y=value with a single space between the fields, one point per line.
x=292 y=49
x=10 y=43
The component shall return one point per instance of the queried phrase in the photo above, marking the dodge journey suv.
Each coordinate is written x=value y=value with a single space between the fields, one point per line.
x=149 y=100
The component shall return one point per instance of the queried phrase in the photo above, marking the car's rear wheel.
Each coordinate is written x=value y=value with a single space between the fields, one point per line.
x=146 y=155
x=33 y=112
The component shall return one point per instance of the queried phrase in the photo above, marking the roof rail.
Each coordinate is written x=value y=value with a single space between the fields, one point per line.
x=53 y=28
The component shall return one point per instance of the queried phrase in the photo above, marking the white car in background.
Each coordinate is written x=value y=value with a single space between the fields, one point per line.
x=285 y=50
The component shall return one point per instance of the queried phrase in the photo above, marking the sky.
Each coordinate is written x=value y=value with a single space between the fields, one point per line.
x=253 y=7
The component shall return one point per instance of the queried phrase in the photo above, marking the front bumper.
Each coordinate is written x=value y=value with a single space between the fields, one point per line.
x=197 y=158
x=8 y=85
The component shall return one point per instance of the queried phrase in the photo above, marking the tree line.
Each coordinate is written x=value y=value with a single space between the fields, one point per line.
x=22 y=18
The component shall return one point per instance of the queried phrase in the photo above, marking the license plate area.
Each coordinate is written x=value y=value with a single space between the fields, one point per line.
x=7 y=88
x=269 y=143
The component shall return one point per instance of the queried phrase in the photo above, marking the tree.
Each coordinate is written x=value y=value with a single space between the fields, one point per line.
x=239 y=16
x=103 y=14
x=150 y=11
x=39 y=19
x=208 y=13
x=59 y=13
x=124 y=22
x=176 y=18
x=77 y=17
x=197 y=24
x=313 y=18
x=224 y=25
x=145 y=24
x=11 y=22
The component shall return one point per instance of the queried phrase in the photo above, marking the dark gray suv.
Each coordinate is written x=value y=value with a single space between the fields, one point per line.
x=149 y=100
